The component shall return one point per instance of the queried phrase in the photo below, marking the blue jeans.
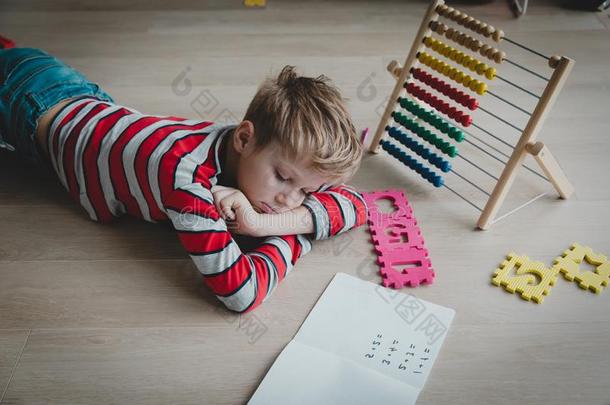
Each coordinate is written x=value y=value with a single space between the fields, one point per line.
x=31 y=82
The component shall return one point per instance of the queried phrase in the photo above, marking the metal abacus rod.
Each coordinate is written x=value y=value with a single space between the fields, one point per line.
x=525 y=145
x=476 y=45
x=422 y=76
x=520 y=88
x=480 y=28
x=497 y=150
x=502 y=153
x=501 y=119
x=432 y=157
x=455 y=95
x=467 y=61
x=462 y=99
x=526 y=48
x=486 y=152
x=463 y=198
x=493 y=136
x=527 y=70
x=509 y=103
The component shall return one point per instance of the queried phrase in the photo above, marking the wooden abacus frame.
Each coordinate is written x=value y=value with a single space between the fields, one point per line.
x=527 y=142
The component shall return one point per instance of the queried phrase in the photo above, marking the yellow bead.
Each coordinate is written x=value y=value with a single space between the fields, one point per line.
x=474 y=85
x=459 y=76
x=466 y=80
x=453 y=53
x=459 y=57
x=481 y=68
x=446 y=70
x=490 y=73
x=466 y=60
x=481 y=88
x=429 y=41
x=473 y=64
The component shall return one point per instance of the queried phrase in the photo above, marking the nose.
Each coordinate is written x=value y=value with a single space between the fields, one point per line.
x=289 y=200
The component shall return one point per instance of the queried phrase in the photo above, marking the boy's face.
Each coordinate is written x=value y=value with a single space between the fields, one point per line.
x=272 y=182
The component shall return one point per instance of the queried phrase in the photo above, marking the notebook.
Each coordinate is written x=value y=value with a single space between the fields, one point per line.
x=361 y=343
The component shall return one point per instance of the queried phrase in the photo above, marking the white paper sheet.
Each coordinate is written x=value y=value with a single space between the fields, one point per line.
x=361 y=343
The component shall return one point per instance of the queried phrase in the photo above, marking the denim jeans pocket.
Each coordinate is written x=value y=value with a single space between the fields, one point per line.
x=56 y=92
x=12 y=68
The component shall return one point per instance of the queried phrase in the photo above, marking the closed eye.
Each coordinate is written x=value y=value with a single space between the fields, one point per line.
x=279 y=177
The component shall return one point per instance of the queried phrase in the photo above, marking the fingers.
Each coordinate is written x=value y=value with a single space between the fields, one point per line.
x=223 y=201
x=225 y=208
x=226 y=204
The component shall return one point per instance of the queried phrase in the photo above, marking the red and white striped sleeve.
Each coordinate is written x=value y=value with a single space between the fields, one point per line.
x=242 y=281
x=335 y=210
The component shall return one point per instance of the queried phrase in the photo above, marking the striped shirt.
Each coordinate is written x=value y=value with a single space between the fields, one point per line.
x=114 y=161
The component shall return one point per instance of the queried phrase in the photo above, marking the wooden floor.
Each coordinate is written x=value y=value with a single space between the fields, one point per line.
x=93 y=314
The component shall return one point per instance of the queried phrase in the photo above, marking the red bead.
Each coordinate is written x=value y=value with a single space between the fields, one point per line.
x=466 y=120
x=473 y=104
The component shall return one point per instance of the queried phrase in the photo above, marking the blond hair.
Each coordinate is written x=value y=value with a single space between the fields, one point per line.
x=307 y=117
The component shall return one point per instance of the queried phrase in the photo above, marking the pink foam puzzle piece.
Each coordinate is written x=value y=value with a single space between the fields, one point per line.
x=409 y=266
x=392 y=233
x=395 y=196
x=402 y=256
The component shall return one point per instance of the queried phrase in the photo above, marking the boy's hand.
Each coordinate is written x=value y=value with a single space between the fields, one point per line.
x=237 y=211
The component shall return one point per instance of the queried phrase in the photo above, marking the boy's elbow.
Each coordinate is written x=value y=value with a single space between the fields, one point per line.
x=237 y=305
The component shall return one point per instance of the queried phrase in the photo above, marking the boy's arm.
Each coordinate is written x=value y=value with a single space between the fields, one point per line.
x=335 y=211
x=322 y=215
x=241 y=281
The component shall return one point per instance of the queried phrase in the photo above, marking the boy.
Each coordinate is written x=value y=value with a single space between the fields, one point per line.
x=277 y=174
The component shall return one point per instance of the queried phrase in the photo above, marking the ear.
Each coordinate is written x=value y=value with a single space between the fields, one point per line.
x=244 y=138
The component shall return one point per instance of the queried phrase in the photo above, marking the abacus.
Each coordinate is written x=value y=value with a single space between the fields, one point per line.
x=418 y=115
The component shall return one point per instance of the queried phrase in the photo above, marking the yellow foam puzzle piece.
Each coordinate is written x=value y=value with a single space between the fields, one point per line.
x=255 y=3
x=569 y=265
x=531 y=280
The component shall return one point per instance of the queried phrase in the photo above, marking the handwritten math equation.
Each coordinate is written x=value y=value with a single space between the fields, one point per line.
x=392 y=354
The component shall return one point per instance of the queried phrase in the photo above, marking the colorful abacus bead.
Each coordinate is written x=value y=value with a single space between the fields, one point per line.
x=418 y=148
x=432 y=119
x=445 y=89
x=408 y=161
x=425 y=134
x=438 y=104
